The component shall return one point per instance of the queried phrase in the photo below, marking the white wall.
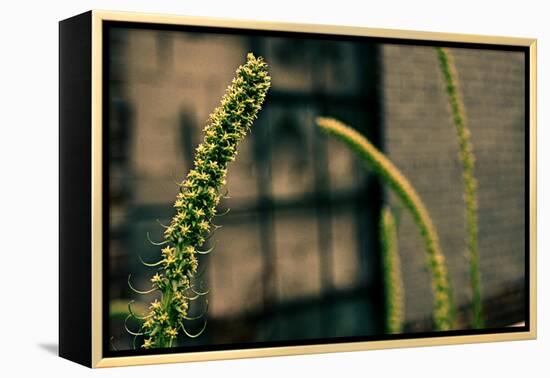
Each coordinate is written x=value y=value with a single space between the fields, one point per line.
x=28 y=204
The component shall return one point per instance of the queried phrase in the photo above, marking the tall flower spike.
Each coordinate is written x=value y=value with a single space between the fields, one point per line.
x=466 y=155
x=196 y=203
x=392 y=176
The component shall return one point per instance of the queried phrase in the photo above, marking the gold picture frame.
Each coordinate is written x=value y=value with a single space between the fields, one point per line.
x=81 y=257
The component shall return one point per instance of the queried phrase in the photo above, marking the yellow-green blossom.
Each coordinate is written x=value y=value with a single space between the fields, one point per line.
x=156 y=279
x=149 y=322
x=155 y=305
x=171 y=332
x=147 y=343
x=163 y=317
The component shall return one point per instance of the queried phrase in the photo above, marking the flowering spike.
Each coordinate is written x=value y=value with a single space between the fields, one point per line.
x=196 y=202
x=392 y=176
x=467 y=158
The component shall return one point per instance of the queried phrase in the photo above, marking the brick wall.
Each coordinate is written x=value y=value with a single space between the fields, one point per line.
x=420 y=139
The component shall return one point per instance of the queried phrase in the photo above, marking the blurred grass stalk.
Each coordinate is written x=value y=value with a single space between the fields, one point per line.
x=393 y=281
x=388 y=172
x=467 y=159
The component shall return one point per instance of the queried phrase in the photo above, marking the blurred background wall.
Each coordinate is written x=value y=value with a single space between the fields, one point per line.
x=420 y=139
x=297 y=257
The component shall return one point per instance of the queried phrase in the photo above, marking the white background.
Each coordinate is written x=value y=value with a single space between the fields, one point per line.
x=29 y=189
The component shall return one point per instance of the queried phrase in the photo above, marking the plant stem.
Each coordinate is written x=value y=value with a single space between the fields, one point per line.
x=466 y=155
x=443 y=313
x=393 y=281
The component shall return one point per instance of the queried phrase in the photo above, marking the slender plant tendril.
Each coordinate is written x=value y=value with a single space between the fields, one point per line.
x=443 y=309
x=196 y=206
x=466 y=155
x=392 y=273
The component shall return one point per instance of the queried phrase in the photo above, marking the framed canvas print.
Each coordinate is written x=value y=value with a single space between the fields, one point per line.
x=235 y=189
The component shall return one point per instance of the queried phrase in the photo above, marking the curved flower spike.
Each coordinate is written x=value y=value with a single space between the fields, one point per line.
x=392 y=176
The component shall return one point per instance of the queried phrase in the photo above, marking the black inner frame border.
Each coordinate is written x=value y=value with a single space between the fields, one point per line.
x=108 y=25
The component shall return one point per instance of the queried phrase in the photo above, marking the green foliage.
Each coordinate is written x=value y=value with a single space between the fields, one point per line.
x=195 y=207
x=393 y=281
x=388 y=172
x=466 y=155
